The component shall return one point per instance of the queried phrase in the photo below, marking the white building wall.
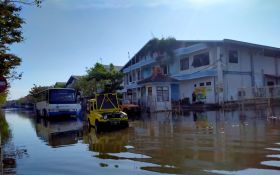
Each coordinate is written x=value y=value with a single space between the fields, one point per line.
x=232 y=82
x=174 y=68
x=187 y=88
x=263 y=65
x=244 y=63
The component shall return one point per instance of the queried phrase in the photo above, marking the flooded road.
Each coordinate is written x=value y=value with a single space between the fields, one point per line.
x=213 y=142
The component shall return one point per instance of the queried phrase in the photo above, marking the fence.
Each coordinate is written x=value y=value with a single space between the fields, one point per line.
x=259 y=93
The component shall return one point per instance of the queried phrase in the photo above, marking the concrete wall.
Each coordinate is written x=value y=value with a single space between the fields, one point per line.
x=152 y=101
x=232 y=82
x=175 y=67
x=187 y=88
x=243 y=65
x=248 y=72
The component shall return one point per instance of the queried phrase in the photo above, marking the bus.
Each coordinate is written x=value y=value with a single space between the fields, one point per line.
x=57 y=102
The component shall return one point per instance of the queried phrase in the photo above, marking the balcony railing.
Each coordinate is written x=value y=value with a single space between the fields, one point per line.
x=259 y=92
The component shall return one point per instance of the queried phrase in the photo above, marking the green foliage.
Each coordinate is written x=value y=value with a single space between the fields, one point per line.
x=3 y=97
x=86 y=86
x=10 y=32
x=59 y=85
x=4 y=128
x=36 y=89
x=161 y=46
x=27 y=99
x=100 y=79
x=98 y=72
x=31 y=97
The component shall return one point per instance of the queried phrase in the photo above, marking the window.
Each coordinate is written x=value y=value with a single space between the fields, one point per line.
x=201 y=84
x=208 y=83
x=194 y=85
x=184 y=63
x=150 y=91
x=270 y=83
x=201 y=60
x=233 y=56
x=162 y=93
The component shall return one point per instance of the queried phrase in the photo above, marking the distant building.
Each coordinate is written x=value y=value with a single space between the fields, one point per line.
x=212 y=70
x=71 y=81
x=74 y=78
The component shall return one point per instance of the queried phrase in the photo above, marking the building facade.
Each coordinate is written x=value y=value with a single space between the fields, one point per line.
x=206 y=71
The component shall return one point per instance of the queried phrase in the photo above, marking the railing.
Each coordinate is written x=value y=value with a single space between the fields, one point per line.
x=139 y=64
x=259 y=92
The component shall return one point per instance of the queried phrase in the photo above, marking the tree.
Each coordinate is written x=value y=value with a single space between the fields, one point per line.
x=86 y=86
x=10 y=33
x=100 y=79
x=36 y=89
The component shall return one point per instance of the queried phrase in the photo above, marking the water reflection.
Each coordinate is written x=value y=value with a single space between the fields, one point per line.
x=220 y=142
x=112 y=142
x=59 y=132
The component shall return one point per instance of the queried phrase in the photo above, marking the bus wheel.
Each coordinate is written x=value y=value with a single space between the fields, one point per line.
x=38 y=113
x=45 y=114
x=97 y=127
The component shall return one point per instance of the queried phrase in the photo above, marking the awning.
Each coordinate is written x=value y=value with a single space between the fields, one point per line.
x=195 y=75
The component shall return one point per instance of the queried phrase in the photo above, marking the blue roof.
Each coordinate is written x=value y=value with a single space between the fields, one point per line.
x=198 y=74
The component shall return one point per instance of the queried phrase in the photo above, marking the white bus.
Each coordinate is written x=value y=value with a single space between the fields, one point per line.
x=57 y=102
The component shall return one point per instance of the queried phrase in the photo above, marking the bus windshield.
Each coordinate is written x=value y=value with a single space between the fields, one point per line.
x=62 y=96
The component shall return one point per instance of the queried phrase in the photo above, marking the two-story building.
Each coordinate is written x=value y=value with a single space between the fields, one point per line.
x=205 y=71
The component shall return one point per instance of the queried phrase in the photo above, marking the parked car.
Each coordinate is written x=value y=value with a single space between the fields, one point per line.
x=130 y=108
x=104 y=113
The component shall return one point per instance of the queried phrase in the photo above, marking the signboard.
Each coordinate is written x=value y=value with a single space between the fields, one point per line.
x=201 y=93
x=3 y=84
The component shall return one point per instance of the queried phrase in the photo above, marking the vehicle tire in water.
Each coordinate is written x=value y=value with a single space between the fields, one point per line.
x=38 y=113
x=126 y=125
x=97 y=127
x=45 y=113
x=88 y=123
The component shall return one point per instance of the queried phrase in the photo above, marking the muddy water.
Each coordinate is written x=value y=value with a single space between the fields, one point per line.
x=212 y=142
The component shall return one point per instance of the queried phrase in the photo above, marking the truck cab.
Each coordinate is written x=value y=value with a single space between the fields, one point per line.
x=104 y=113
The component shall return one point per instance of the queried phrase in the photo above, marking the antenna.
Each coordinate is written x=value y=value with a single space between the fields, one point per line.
x=152 y=34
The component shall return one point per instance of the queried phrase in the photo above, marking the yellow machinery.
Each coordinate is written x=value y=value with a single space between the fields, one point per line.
x=103 y=112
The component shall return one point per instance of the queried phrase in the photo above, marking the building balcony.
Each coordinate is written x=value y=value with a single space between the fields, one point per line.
x=140 y=64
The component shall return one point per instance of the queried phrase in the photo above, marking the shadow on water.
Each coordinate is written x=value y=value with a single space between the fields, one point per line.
x=209 y=142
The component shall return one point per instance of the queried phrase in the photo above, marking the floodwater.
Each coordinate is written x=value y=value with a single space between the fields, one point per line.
x=213 y=142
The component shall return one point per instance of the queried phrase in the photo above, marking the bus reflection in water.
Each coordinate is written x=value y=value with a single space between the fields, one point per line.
x=59 y=133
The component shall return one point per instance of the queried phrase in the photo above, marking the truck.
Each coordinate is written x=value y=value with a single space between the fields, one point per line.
x=104 y=112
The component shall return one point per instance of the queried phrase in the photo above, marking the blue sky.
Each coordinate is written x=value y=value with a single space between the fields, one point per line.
x=65 y=36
